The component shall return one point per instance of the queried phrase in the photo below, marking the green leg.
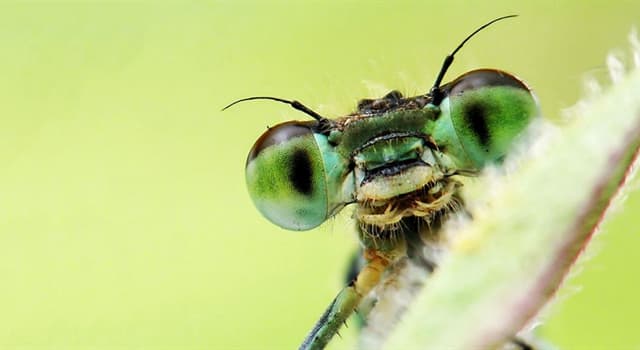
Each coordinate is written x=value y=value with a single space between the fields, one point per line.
x=347 y=300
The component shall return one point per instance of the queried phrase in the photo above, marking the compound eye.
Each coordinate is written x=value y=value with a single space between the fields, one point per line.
x=286 y=177
x=489 y=110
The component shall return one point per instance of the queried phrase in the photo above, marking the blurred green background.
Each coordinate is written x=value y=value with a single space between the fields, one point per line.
x=124 y=219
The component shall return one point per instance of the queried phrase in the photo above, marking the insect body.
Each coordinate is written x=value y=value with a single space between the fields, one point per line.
x=399 y=160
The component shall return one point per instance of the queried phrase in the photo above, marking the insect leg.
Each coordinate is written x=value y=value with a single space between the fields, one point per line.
x=347 y=300
x=356 y=263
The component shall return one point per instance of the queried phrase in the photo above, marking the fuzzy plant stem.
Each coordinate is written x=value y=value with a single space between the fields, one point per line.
x=513 y=257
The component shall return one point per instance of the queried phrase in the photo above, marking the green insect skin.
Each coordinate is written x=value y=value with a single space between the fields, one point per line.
x=399 y=160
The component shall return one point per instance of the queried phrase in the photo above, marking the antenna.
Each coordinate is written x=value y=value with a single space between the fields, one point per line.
x=295 y=104
x=435 y=92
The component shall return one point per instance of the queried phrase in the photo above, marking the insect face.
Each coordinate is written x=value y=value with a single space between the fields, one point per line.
x=395 y=156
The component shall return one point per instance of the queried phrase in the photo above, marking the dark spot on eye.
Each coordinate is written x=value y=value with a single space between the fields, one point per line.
x=476 y=117
x=301 y=174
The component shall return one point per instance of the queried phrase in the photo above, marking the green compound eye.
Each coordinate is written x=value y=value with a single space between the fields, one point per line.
x=286 y=176
x=489 y=109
